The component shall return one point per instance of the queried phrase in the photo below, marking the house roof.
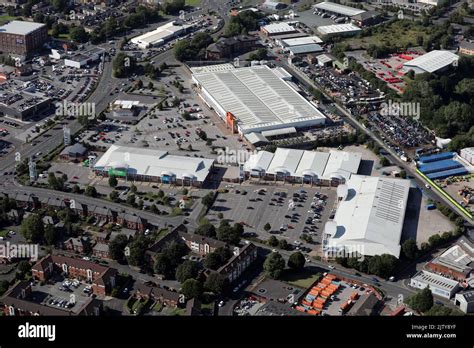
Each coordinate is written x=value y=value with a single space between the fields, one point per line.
x=243 y=253
x=196 y=238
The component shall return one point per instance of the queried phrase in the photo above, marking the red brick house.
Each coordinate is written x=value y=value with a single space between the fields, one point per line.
x=78 y=245
x=101 y=250
x=166 y=297
x=200 y=244
x=101 y=277
x=241 y=260
x=130 y=221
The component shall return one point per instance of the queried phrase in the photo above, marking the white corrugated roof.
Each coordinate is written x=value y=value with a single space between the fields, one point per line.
x=299 y=163
x=258 y=98
x=370 y=219
x=432 y=61
x=159 y=34
x=435 y=280
x=212 y=68
x=337 y=8
x=278 y=28
x=338 y=28
x=302 y=49
x=342 y=163
x=301 y=41
x=258 y=161
x=285 y=161
x=20 y=27
x=155 y=163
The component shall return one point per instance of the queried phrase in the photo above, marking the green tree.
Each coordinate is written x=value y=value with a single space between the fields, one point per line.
x=117 y=247
x=79 y=34
x=409 y=249
x=382 y=265
x=24 y=267
x=272 y=241
x=164 y=265
x=113 y=182
x=131 y=200
x=114 y=196
x=50 y=235
x=296 y=261
x=267 y=227
x=32 y=228
x=137 y=246
x=90 y=191
x=187 y=270
x=207 y=229
x=191 y=288
x=274 y=265
x=123 y=65
x=422 y=301
x=216 y=283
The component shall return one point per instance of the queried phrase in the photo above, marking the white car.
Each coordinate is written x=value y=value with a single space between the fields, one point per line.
x=331 y=267
x=428 y=187
x=221 y=303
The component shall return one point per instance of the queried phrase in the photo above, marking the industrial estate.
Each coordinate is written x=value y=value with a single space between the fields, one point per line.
x=237 y=158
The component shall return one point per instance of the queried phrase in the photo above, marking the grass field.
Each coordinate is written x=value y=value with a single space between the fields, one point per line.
x=3 y=233
x=6 y=18
x=398 y=34
x=303 y=279
x=193 y=3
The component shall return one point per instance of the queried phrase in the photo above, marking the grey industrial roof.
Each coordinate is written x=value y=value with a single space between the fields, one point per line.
x=301 y=41
x=20 y=27
x=278 y=28
x=468 y=296
x=257 y=97
x=435 y=280
x=433 y=61
x=338 y=28
x=302 y=49
x=337 y=8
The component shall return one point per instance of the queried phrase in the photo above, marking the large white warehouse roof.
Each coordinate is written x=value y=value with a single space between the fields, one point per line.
x=370 y=218
x=154 y=163
x=159 y=35
x=278 y=28
x=258 y=98
x=338 y=29
x=339 y=9
x=298 y=163
x=432 y=61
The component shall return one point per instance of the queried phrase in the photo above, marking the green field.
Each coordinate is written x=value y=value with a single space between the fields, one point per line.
x=6 y=18
x=302 y=279
x=399 y=34
x=193 y=3
x=3 y=233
